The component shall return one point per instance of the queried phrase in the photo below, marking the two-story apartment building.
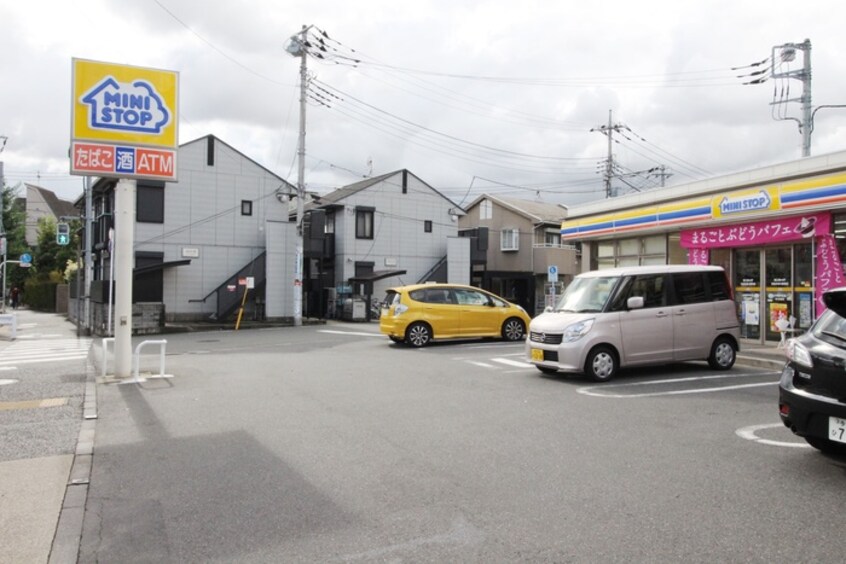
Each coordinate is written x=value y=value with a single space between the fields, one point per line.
x=200 y=241
x=517 y=241
x=388 y=230
x=226 y=224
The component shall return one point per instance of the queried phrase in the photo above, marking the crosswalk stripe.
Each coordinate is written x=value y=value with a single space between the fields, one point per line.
x=16 y=361
x=50 y=350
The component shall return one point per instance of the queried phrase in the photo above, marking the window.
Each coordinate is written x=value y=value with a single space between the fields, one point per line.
x=471 y=297
x=364 y=223
x=651 y=287
x=689 y=288
x=552 y=238
x=433 y=296
x=510 y=240
x=149 y=202
x=720 y=289
x=246 y=207
x=427 y=226
x=485 y=209
x=148 y=287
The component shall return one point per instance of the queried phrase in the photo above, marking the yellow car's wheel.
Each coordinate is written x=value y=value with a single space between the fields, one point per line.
x=418 y=334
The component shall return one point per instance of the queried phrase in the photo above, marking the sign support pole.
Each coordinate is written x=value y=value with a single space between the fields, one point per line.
x=124 y=242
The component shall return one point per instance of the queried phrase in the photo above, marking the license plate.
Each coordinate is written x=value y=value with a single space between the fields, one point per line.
x=537 y=354
x=837 y=429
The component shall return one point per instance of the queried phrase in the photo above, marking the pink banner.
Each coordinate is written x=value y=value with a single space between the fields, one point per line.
x=698 y=256
x=829 y=268
x=776 y=230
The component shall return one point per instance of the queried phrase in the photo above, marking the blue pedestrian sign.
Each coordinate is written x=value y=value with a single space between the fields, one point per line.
x=552 y=273
x=26 y=258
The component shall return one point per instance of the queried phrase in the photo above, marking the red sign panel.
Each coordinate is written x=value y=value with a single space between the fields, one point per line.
x=103 y=159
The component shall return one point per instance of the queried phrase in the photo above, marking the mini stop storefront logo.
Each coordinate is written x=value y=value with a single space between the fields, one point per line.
x=124 y=121
x=133 y=107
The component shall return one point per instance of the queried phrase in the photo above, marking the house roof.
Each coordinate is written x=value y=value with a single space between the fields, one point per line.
x=336 y=196
x=58 y=207
x=224 y=143
x=539 y=212
x=105 y=183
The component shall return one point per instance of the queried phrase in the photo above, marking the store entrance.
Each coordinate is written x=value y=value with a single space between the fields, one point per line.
x=772 y=284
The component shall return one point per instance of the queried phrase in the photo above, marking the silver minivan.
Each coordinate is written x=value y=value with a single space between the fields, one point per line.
x=635 y=316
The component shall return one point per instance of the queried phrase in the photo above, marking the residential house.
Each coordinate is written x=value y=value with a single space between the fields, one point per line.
x=388 y=230
x=517 y=249
x=41 y=203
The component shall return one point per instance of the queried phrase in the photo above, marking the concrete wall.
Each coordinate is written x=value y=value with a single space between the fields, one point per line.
x=281 y=255
x=458 y=261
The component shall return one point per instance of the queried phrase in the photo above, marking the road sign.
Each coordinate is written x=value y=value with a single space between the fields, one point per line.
x=552 y=273
x=26 y=258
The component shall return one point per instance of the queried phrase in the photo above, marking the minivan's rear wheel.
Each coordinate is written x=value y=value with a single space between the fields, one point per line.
x=601 y=364
x=723 y=354
x=513 y=330
x=418 y=334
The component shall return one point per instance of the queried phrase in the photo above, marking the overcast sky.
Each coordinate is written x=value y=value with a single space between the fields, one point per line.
x=472 y=97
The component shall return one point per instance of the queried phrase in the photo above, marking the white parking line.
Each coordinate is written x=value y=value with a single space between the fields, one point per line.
x=600 y=391
x=355 y=333
x=749 y=433
x=482 y=364
x=510 y=362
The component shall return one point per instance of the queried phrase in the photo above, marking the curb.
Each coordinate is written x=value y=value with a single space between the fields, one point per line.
x=755 y=361
x=68 y=537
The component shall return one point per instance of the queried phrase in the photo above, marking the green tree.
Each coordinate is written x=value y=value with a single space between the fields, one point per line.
x=13 y=223
x=50 y=257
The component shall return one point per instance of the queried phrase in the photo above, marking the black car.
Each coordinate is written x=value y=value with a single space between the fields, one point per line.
x=812 y=391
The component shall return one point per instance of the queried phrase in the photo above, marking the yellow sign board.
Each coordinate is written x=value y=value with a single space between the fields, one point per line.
x=746 y=202
x=125 y=105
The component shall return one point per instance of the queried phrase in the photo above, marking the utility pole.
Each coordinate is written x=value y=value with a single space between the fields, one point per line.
x=608 y=130
x=786 y=53
x=3 y=241
x=661 y=173
x=783 y=55
x=297 y=48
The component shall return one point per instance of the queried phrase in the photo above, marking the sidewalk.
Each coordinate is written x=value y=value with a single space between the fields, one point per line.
x=43 y=500
x=41 y=508
x=755 y=354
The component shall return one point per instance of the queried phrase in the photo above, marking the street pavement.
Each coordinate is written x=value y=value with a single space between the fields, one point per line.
x=48 y=413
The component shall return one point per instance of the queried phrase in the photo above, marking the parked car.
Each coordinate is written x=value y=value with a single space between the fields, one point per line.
x=812 y=391
x=419 y=313
x=635 y=316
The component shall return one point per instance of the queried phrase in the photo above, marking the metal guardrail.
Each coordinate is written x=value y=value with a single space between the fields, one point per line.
x=136 y=360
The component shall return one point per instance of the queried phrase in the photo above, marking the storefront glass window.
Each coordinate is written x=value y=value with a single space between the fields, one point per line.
x=676 y=254
x=655 y=245
x=747 y=269
x=803 y=287
x=779 y=291
x=629 y=247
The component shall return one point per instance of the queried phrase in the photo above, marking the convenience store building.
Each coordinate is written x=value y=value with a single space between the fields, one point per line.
x=779 y=232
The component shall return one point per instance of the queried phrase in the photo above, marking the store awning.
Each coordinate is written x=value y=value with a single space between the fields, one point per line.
x=159 y=266
x=377 y=275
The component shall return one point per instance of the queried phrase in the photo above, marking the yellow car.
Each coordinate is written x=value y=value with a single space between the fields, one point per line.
x=419 y=313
